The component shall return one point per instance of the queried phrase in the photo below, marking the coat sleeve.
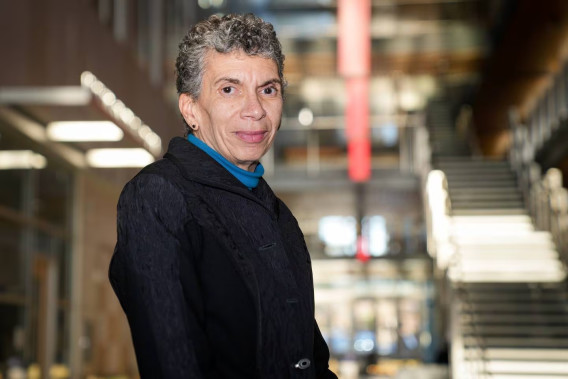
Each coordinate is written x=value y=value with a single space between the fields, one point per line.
x=144 y=273
x=321 y=356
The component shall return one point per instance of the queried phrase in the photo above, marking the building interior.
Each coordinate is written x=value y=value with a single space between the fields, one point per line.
x=445 y=259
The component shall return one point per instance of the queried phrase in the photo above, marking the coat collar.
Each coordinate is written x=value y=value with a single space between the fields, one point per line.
x=196 y=165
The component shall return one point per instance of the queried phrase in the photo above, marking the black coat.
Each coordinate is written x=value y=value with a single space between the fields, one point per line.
x=215 y=279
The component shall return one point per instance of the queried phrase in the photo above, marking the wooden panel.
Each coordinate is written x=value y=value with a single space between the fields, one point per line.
x=529 y=52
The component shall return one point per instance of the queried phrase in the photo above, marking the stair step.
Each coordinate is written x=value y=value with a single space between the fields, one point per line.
x=490 y=176
x=472 y=161
x=504 y=367
x=526 y=354
x=519 y=296
x=442 y=129
x=514 y=287
x=447 y=139
x=477 y=173
x=456 y=166
x=473 y=227
x=498 y=196
x=442 y=154
x=486 y=204
x=466 y=244
x=504 y=235
x=498 y=269
x=476 y=212
x=449 y=148
x=510 y=256
x=539 y=238
x=459 y=174
x=499 y=277
x=529 y=342
x=497 y=219
x=514 y=330
x=523 y=376
x=482 y=190
x=509 y=265
x=446 y=136
x=514 y=318
x=510 y=184
x=486 y=251
x=507 y=250
x=533 y=308
x=440 y=151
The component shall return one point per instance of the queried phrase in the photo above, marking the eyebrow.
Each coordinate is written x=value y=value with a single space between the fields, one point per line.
x=272 y=81
x=237 y=81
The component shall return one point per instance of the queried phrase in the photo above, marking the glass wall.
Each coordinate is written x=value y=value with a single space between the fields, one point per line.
x=35 y=224
x=373 y=326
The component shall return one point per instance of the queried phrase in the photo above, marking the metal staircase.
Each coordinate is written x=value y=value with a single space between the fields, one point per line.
x=509 y=299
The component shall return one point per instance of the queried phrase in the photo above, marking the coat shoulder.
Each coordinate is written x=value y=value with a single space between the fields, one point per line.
x=158 y=187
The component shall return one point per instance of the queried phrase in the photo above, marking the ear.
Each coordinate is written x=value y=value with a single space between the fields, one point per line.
x=187 y=106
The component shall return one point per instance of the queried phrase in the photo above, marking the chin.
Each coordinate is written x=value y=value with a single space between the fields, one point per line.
x=251 y=159
x=253 y=156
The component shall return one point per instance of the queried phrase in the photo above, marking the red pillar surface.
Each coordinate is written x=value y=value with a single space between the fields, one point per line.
x=354 y=62
x=357 y=119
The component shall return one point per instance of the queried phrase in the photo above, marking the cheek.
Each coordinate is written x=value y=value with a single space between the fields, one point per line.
x=225 y=113
x=275 y=111
x=203 y=116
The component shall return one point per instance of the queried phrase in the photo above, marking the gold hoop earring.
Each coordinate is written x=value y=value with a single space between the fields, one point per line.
x=194 y=127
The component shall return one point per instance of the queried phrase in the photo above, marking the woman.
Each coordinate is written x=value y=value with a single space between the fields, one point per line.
x=210 y=266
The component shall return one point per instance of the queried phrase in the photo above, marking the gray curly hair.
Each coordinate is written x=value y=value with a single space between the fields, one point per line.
x=231 y=32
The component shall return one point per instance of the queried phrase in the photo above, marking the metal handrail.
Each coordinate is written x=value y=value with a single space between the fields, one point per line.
x=544 y=195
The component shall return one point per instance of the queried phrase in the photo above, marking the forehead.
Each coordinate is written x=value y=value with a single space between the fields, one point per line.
x=238 y=65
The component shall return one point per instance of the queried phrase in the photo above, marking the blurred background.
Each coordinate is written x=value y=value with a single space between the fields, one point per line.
x=423 y=150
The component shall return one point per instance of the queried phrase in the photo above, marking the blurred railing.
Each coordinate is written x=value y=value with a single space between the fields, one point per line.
x=438 y=207
x=544 y=195
x=549 y=112
x=421 y=152
x=466 y=129
x=465 y=363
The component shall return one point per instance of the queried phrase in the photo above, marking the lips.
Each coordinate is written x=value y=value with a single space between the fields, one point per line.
x=251 y=137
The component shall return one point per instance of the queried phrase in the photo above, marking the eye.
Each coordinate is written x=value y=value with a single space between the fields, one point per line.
x=228 y=90
x=270 y=90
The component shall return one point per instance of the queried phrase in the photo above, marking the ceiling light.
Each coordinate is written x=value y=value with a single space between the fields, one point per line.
x=87 y=79
x=204 y=4
x=153 y=140
x=84 y=131
x=306 y=116
x=21 y=159
x=135 y=157
x=108 y=98
x=124 y=115
x=144 y=131
x=410 y=100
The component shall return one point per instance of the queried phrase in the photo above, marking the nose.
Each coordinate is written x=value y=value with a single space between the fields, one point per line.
x=252 y=108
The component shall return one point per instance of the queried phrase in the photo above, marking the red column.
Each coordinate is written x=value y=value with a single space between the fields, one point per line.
x=354 y=62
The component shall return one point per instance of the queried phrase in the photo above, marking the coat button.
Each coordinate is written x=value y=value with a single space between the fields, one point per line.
x=303 y=364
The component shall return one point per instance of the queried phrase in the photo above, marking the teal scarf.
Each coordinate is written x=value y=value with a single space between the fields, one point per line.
x=249 y=179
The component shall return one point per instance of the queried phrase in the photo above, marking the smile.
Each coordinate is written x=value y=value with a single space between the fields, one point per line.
x=251 y=137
